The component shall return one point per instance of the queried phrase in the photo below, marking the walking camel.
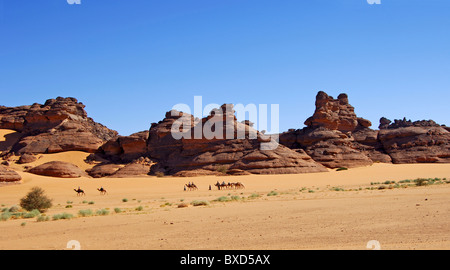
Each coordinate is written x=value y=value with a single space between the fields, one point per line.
x=80 y=192
x=102 y=191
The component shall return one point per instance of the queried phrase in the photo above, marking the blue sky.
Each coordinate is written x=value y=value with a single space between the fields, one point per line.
x=130 y=61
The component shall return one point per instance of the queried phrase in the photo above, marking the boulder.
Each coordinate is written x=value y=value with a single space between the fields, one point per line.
x=26 y=158
x=132 y=170
x=103 y=170
x=7 y=175
x=58 y=169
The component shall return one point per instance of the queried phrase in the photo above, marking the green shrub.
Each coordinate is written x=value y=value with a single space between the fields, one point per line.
x=117 y=210
x=223 y=199
x=62 y=216
x=124 y=200
x=5 y=216
x=272 y=193
x=32 y=214
x=254 y=196
x=85 y=213
x=421 y=182
x=139 y=208
x=36 y=199
x=341 y=169
x=42 y=218
x=102 y=212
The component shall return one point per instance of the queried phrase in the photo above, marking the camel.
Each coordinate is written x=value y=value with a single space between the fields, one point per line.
x=221 y=186
x=238 y=185
x=102 y=191
x=80 y=192
x=191 y=186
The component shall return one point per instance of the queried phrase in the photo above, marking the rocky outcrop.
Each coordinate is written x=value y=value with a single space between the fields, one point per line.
x=58 y=169
x=335 y=114
x=328 y=136
x=219 y=143
x=59 y=125
x=415 y=142
x=126 y=148
x=336 y=137
x=8 y=176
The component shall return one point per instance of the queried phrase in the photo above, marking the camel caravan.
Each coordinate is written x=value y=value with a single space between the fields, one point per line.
x=220 y=186
x=223 y=185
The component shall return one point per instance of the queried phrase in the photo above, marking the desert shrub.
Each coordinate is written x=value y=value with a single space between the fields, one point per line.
x=159 y=174
x=254 y=196
x=139 y=208
x=5 y=216
x=199 y=203
x=102 y=212
x=117 y=210
x=42 y=218
x=272 y=193
x=341 y=169
x=85 y=213
x=36 y=199
x=223 y=199
x=124 y=200
x=421 y=182
x=14 y=209
x=32 y=214
x=62 y=216
x=182 y=205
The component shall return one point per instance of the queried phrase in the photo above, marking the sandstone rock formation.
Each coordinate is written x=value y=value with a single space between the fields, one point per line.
x=336 y=137
x=126 y=148
x=335 y=114
x=58 y=169
x=59 y=125
x=103 y=170
x=416 y=142
x=328 y=136
x=219 y=142
x=8 y=175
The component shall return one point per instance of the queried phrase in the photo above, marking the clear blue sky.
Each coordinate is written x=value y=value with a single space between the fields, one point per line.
x=130 y=61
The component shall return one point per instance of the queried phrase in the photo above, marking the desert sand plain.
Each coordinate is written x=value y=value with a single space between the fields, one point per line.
x=329 y=210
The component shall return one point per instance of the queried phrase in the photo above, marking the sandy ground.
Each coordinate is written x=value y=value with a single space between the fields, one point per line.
x=305 y=213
